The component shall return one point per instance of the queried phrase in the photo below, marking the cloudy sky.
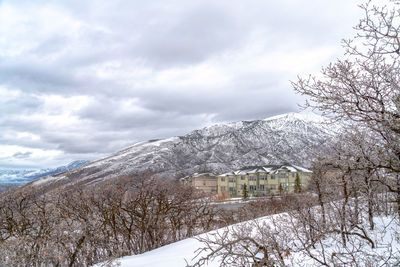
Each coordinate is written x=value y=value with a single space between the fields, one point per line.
x=83 y=79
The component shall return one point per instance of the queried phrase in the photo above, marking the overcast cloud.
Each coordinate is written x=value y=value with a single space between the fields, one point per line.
x=82 y=79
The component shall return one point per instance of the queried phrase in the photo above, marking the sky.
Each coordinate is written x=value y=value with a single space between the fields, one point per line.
x=84 y=79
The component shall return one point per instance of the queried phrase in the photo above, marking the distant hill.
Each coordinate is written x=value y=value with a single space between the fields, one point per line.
x=218 y=148
x=20 y=177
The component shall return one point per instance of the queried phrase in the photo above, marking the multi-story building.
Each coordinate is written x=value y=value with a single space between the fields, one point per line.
x=207 y=182
x=263 y=180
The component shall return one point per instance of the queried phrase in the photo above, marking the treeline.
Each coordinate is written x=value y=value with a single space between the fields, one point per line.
x=85 y=226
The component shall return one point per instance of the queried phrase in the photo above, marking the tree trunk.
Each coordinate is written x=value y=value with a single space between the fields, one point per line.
x=343 y=217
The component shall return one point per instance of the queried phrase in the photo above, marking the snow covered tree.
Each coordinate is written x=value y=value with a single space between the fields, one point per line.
x=363 y=91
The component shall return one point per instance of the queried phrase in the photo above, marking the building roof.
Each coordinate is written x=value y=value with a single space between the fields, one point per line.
x=204 y=174
x=272 y=169
x=197 y=175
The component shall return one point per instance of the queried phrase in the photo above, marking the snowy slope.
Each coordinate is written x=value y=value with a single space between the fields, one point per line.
x=218 y=148
x=172 y=255
x=182 y=252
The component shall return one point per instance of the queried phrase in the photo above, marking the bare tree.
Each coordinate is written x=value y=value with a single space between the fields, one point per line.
x=84 y=226
x=364 y=90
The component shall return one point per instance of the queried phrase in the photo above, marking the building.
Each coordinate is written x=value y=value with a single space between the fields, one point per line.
x=263 y=180
x=207 y=182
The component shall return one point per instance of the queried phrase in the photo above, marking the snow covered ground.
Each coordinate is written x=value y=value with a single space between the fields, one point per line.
x=172 y=255
x=180 y=254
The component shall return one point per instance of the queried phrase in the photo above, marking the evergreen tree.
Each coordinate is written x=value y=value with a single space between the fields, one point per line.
x=245 y=192
x=297 y=184
x=280 y=188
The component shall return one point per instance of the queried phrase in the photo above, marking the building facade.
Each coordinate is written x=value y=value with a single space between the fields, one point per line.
x=263 y=180
x=207 y=182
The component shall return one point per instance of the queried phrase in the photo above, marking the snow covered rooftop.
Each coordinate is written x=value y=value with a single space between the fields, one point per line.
x=227 y=174
x=267 y=168
x=198 y=175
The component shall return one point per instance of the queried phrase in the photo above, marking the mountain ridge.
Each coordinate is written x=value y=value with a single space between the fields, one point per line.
x=220 y=147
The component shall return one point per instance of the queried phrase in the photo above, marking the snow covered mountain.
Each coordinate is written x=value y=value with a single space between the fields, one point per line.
x=19 y=177
x=219 y=148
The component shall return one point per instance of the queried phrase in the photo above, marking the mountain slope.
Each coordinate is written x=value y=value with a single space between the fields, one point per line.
x=290 y=137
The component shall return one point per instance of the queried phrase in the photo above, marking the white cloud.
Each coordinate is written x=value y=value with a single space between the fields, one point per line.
x=16 y=156
x=83 y=79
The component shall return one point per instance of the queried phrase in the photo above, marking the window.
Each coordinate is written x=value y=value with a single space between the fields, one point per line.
x=272 y=177
x=222 y=179
x=262 y=177
x=283 y=175
x=293 y=175
x=252 y=187
x=262 y=187
x=232 y=180
x=241 y=187
x=223 y=188
x=232 y=190
x=252 y=178
x=242 y=177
